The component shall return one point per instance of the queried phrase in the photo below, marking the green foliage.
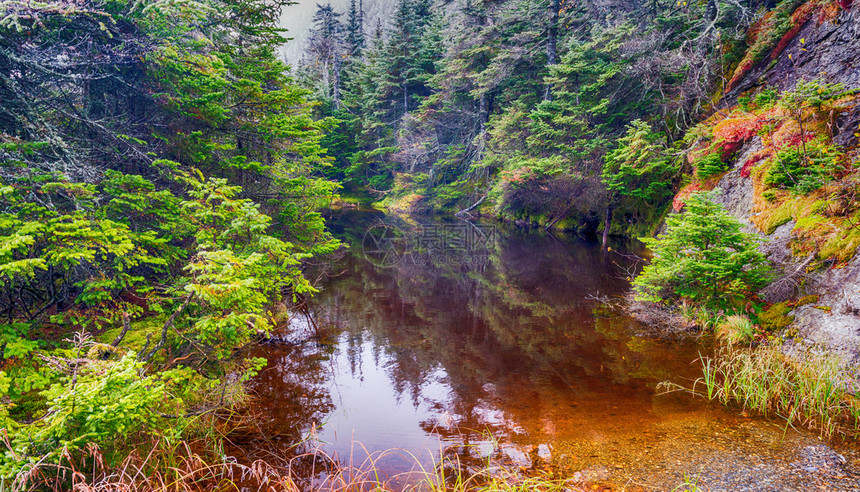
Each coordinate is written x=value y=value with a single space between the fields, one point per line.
x=803 y=171
x=808 y=161
x=776 y=27
x=640 y=166
x=237 y=269
x=710 y=165
x=703 y=256
x=109 y=224
x=589 y=88
x=101 y=402
x=809 y=95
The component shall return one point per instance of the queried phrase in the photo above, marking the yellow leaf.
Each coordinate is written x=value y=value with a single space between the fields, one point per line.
x=802 y=40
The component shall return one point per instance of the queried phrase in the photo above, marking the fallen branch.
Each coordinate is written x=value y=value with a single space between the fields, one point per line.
x=473 y=207
x=167 y=325
x=126 y=325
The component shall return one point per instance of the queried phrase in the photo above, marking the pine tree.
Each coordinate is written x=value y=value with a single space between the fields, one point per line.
x=703 y=256
x=326 y=50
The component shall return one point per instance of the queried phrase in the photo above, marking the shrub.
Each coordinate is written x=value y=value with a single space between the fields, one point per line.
x=710 y=165
x=703 y=256
x=735 y=329
x=803 y=169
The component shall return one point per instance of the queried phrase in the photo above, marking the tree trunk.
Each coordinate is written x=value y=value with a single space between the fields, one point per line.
x=337 y=68
x=551 y=41
x=711 y=11
x=405 y=98
x=607 y=223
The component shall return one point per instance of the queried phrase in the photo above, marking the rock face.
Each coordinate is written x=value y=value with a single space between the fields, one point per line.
x=838 y=328
x=832 y=322
x=831 y=52
x=737 y=191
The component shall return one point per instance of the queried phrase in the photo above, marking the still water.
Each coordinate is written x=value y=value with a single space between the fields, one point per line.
x=490 y=344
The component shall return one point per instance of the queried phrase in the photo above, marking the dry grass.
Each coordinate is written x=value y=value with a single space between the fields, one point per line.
x=181 y=469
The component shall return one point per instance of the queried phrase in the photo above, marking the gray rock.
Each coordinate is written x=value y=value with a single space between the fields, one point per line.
x=544 y=452
x=737 y=191
x=839 y=328
x=829 y=53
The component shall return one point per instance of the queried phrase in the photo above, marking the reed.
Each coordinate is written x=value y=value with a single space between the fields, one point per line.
x=811 y=389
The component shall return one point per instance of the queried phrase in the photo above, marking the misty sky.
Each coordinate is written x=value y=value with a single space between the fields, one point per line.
x=297 y=19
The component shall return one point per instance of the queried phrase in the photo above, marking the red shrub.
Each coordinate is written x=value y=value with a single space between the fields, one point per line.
x=680 y=199
x=798 y=19
x=738 y=130
x=752 y=161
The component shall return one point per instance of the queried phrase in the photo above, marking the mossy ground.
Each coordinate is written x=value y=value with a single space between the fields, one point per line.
x=135 y=339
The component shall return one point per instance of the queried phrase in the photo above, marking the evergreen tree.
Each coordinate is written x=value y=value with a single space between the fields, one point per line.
x=155 y=171
x=406 y=72
x=355 y=29
x=639 y=168
x=326 y=50
x=703 y=256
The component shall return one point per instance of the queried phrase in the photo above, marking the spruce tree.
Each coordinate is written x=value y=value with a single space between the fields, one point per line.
x=703 y=256
x=326 y=50
x=354 y=30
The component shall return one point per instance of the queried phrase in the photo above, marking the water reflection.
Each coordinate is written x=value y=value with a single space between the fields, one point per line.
x=428 y=351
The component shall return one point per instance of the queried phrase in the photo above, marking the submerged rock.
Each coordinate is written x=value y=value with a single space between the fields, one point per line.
x=517 y=455
x=544 y=452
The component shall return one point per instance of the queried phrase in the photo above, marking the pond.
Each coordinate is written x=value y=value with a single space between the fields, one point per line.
x=492 y=345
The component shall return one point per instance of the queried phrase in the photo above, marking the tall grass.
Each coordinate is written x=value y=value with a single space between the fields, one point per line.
x=811 y=389
x=735 y=329
x=183 y=470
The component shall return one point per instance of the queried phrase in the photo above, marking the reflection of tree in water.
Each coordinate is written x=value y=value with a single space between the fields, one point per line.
x=516 y=336
x=291 y=397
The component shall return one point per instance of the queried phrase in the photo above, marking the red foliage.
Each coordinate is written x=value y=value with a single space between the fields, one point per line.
x=846 y=4
x=729 y=149
x=752 y=161
x=742 y=70
x=739 y=130
x=733 y=133
x=798 y=19
x=792 y=140
x=680 y=199
x=747 y=63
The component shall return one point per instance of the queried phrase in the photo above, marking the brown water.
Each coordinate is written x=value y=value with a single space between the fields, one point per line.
x=487 y=344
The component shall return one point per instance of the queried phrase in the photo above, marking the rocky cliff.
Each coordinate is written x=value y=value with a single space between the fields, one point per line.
x=826 y=47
